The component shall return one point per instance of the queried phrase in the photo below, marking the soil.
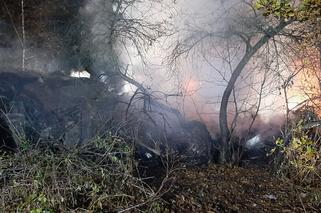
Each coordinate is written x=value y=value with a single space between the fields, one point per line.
x=224 y=189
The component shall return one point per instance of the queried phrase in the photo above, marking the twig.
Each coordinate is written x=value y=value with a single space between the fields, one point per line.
x=23 y=35
x=302 y=203
x=12 y=21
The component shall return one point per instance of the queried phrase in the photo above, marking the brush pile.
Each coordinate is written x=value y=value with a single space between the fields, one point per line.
x=95 y=177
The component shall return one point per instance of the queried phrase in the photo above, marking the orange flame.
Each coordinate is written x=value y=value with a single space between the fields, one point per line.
x=306 y=90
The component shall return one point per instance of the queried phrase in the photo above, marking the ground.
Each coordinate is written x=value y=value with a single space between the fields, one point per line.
x=94 y=179
x=224 y=189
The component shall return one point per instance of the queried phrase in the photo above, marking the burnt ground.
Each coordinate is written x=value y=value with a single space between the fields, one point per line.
x=225 y=189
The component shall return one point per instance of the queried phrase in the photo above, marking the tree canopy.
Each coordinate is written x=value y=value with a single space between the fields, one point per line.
x=305 y=12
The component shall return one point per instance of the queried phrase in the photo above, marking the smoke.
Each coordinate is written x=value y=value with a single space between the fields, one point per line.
x=82 y=39
x=201 y=76
x=98 y=40
x=51 y=31
x=60 y=36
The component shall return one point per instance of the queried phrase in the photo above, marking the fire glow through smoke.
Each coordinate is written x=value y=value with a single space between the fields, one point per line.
x=306 y=90
x=191 y=87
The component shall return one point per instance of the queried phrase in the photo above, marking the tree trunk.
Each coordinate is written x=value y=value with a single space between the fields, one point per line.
x=225 y=149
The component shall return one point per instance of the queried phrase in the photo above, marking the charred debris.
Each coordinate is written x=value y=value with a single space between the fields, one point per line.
x=61 y=110
x=74 y=111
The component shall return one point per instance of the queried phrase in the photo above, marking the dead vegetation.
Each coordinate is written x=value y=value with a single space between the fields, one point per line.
x=234 y=189
x=95 y=178
x=102 y=177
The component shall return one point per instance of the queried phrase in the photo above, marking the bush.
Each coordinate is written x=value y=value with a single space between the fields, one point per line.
x=299 y=158
x=97 y=177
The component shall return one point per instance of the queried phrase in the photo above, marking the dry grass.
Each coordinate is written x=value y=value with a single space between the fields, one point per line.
x=94 y=178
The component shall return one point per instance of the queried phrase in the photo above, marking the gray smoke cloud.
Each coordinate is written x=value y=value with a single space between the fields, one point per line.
x=201 y=76
x=59 y=36
x=84 y=42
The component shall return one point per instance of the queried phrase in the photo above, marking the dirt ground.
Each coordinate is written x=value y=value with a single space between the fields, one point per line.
x=223 y=189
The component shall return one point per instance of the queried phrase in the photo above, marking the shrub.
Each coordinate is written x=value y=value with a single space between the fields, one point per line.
x=96 y=177
x=299 y=158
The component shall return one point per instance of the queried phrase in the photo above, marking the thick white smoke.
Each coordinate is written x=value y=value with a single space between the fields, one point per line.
x=197 y=83
x=201 y=77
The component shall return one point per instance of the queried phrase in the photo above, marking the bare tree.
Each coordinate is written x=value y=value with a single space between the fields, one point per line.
x=23 y=35
x=121 y=27
x=251 y=30
x=90 y=35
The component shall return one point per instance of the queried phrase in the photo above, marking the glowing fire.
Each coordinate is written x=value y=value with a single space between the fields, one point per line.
x=191 y=87
x=307 y=87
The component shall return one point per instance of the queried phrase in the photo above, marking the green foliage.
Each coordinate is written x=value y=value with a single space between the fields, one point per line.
x=309 y=9
x=40 y=203
x=120 y=152
x=300 y=158
x=300 y=10
x=279 y=8
x=304 y=14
